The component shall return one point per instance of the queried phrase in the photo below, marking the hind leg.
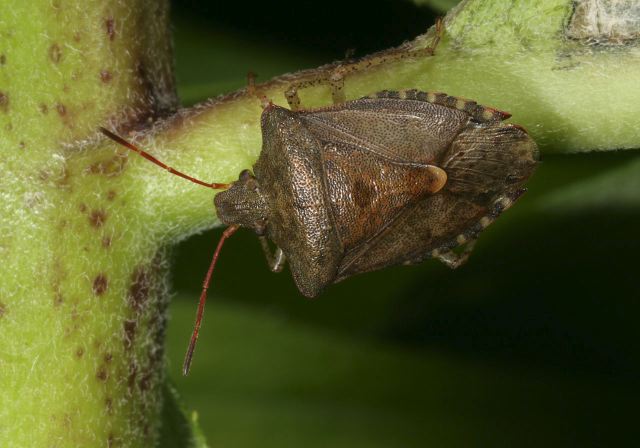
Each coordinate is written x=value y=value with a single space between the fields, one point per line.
x=469 y=236
x=453 y=260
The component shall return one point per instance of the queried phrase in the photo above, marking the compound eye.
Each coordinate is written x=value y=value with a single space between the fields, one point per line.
x=245 y=174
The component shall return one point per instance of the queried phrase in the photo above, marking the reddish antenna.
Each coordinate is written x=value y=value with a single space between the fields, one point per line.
x=226 y=234
x=203 y=298
x=149 y=157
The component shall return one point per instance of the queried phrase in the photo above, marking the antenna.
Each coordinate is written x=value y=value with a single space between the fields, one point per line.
x=203 y=298
x=149 y=157
x=226 y=234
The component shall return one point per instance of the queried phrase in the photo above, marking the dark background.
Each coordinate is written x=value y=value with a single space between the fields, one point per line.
x=533 y=343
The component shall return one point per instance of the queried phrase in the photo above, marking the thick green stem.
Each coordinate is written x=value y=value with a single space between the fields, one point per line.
x=82 y=292
x=573 y=95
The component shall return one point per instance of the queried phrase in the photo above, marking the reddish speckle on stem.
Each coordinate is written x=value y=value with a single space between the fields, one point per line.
x=129 y=333
x=102 y=374
x=4 y=101
x=97 y=218
x=61 y=109
x=44 y=109
x=82 y=207
x=110 y=25
x=106 y=242
x=108 y=403
x=111 y=194
x=79 y=352
x=3 y=59
x=55 y=53
x=105 y=76
x=145 y=382
x=131 y=380
x=100 y=284
x=139 y=289
x=3 y=309
x=58 y=298
x=108 y=357
x=110 y=167
x=21 y=145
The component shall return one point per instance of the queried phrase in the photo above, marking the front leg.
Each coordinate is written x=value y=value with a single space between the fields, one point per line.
x=275 y=261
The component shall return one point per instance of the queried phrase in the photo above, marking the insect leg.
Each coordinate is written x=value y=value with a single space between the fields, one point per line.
x=275 y=261
x=291 y=94
x=335 y=77
x=453 y=260
x=252 y=91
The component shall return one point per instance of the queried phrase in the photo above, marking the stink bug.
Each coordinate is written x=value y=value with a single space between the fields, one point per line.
x=392 y=178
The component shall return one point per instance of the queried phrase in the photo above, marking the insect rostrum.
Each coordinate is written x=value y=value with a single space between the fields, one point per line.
x=392 y=178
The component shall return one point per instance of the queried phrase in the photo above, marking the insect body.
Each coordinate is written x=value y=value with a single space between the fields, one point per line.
x=393 y=178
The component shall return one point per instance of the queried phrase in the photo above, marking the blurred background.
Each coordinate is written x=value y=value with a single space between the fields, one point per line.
x=535 y=342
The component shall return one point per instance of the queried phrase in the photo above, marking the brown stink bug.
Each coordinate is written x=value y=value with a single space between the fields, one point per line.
x=392 y=178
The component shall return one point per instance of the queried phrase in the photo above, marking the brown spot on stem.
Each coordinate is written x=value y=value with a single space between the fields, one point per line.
x=139 y=289
x=102 y=374
x=4 y=102
x=108 y=404
x=61 y=109
x=58 y=275
x=111 y=167
x=143 y=78
x=44 y=109
x=145 y=382
x=105 y=76
x=77 y=36
x=82 y=207
x=112 y=442
x=79 y=352
x=110 y=25
x=111 y=194
x=130 y=327
x=131 y=379
x=3 y=309
x=58 y=298
x=3 y=59
x=108 y=357
x=62 y=179
x=97 y=218
x=22 y=145
x=55 y=53
x=106 y=242
x=100 y=284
